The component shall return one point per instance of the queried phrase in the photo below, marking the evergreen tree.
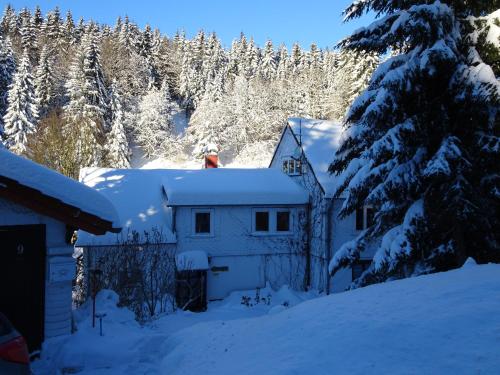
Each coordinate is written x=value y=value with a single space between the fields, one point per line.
x=154 y=124
x=45 y=90
x=21 y=116
x=421 y=145
x=87 y=104
x=268 y=65
x=7 y=70
x=117 y=147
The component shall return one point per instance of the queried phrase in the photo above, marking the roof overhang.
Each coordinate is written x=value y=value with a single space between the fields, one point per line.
x=52 y=207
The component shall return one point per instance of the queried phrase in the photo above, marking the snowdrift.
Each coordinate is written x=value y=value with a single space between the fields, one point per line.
x=446 y=323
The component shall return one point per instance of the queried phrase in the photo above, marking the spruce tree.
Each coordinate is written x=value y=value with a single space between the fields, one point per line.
x=117 y=147
x=45 y=90
x=87 y=101
x=268 y=65
x=21 y=116
x=421 y=143
x=7 y=70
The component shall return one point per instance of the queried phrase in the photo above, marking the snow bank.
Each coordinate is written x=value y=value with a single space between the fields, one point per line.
x=320 y=140
x=226 y=186
x=128 y=348
x=444 y=323
x=56 y=185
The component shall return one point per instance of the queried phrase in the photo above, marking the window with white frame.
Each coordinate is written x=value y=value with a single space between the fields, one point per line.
x=364 y=217
x=272 y=221
x=292 y=167
x=202 y=222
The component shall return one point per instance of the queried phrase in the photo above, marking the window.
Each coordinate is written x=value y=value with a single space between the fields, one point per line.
x=283 y=221
x=262 y=221
x=202 y=222
x=292 y=167
x=359 y=267
x=272 y=221
x=364 y=217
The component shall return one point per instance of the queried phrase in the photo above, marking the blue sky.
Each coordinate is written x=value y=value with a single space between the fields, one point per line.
x=284 y=21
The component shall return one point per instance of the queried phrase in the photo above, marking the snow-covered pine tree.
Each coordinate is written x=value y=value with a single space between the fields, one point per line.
x=9 y=20
x=282 y=70
x=21 y=116
x=45 y=90
x=117 y=147
x=38 y=18
x=154 y=123
x=422 y=142
x=87 y=101
x=267 y=68
x=7 y=70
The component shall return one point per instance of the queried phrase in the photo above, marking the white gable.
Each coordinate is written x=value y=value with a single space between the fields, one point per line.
x=319 y=140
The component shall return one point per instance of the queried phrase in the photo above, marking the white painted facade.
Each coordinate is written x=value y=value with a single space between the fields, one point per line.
x=60 y=265
x=239 y=257
x=327 y=231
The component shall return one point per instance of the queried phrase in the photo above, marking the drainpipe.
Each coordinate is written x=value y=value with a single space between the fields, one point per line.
x=328 y=240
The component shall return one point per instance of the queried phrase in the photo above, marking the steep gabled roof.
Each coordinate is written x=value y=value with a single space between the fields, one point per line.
x=319 y=140
x=51 y=194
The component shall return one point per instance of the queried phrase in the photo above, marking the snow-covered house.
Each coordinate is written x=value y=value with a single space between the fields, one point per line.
x=39 y=211
x=250 y=223
x=305 y=149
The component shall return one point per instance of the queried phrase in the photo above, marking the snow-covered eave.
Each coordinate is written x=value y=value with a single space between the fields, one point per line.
x=47 y=205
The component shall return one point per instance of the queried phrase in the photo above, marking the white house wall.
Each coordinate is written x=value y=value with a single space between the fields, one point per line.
x=57 y=294
x=251 y=259
x=342 y=230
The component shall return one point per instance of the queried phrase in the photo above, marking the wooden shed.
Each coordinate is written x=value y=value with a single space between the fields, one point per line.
x=39 y=211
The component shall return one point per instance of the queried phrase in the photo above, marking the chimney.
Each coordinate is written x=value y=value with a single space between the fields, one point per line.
x=210 y=153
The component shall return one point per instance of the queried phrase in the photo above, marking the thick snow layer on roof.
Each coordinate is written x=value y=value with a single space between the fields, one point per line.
x=56 y=185
x=320 y=140
x=225 y=186
x=137 y=195
x=191 y=261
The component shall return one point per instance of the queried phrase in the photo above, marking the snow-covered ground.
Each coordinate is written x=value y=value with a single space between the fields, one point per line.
x=446 y=323
x=128 y=348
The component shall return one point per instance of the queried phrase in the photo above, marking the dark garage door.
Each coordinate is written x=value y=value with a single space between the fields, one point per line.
x=22 y=279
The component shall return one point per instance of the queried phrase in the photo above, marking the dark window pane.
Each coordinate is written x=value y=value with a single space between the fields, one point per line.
x=298 y=167
x=285 y=166
x=369 y=217
x=283 y=221
x=202 y=222
x=359 y=219
x=262 y=221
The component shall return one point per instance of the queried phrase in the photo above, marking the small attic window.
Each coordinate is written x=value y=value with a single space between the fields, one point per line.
x=292 y=167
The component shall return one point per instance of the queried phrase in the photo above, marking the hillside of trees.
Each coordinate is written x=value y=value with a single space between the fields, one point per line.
x=77 y=93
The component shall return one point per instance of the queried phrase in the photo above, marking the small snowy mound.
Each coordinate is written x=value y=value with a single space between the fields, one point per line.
x=469 y=262
x=446 y=323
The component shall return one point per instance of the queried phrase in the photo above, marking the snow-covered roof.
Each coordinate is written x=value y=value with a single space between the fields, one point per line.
x=319 y=140
x=226 y=186
x=138 y=197
x=57 y=186
x=191 y=261
x=142 y=197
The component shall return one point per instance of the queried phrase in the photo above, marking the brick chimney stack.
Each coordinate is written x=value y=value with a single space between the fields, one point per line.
x=211 y=156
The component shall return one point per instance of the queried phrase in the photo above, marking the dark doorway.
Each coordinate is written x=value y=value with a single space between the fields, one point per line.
x=22 y=280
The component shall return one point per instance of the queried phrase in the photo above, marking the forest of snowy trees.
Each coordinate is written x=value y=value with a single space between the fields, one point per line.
x=76 y=94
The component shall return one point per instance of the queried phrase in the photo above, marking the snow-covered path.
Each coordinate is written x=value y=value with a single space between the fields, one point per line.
x=127 y=348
